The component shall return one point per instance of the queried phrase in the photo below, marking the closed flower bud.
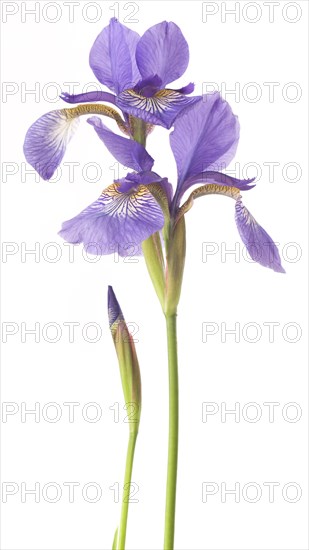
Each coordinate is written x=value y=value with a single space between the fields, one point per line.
x=127 y=358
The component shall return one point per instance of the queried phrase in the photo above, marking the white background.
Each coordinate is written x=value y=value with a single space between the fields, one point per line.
x=224 y=289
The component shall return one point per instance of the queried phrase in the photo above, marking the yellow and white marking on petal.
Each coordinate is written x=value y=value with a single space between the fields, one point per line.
x=159 y=103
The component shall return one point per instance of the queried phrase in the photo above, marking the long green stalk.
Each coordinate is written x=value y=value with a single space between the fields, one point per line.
x=171 y=291
x=126 y=492
x=173 y=434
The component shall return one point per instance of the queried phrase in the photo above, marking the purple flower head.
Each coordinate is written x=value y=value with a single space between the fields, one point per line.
x=136 y=69
x=116 y=222
x=134 y=207
x=126 y=213
x=205 y=139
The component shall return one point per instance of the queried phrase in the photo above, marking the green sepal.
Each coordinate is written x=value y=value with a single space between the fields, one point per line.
x=152 y=250
x=129 y=372
x=159 y=194
x=175 y=265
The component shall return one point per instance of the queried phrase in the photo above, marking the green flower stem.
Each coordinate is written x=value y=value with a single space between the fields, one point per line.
x=126 y=492
x=138 y=129
x=173 y=433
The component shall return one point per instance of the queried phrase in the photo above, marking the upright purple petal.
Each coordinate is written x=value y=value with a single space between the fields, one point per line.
x=116 y=222
x=112 y=57
x=47 y=139
x=259 y=244
x=128 y=152
x=162 y=108
x=163 y=50
x=205 y=137
x=149 y=86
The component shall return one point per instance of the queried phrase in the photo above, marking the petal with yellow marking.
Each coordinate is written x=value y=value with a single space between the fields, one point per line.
x=116 y=222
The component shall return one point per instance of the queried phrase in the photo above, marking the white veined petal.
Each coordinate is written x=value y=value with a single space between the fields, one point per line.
x=47 y=139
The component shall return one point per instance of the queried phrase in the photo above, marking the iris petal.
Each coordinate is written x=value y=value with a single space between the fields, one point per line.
x=221 y=179
x=163 y=50
x=159 y=187
x=162 y=108
x=188 y=89
x=259 y=244
x=128 y=152
x=116 y=222
x=205 y=137
x=88 y=97
x=46 y=141
x=112 y=57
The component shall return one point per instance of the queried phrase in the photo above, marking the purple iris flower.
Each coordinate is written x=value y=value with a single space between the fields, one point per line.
x=126 y=213
x=204 y=138
x=137 y=70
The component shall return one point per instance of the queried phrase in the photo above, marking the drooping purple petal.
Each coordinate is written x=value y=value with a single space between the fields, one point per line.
x=88 y=97
x=162 y=108
x=128 y=152
x=46 y=141
x=205 y=138
x=116 y=222
x=259 y=244
x=220 y=179
x=112 y=57
x=163 y=50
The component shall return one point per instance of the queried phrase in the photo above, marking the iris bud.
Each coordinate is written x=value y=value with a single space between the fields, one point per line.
x=127 y=358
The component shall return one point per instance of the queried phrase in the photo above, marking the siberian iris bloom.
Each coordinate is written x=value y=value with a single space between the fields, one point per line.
x=130 y=210
x=142 y=212
x=137 y=70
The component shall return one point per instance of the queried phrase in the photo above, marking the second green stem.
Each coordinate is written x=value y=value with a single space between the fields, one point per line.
x=173 y=434
x=126 y=491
